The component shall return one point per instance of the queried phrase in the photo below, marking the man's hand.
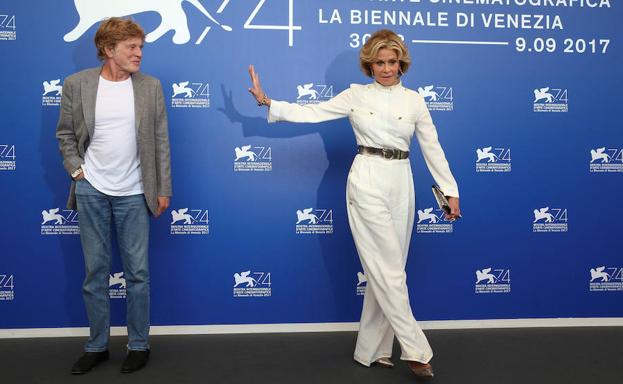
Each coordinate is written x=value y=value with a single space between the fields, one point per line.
x=163 y=204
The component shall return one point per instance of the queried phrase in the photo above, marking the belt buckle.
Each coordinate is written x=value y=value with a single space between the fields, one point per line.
x=387 y=153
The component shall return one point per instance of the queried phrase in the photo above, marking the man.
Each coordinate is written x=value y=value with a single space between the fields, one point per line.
x=113 y=136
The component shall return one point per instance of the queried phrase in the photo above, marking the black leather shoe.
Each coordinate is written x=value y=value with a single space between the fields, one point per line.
x=134 y=361
x=88 y=361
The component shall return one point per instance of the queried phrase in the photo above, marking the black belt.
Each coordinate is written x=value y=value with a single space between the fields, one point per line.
x=389 y=154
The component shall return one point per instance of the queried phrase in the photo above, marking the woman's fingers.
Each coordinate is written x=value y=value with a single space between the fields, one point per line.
x=252 y=74
x=256 y=89
x=455 y=211
x=455 y=214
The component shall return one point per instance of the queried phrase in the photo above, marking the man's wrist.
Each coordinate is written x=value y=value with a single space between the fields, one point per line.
x=77 y=173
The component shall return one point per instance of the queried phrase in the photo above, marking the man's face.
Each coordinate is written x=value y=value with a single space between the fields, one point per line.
x=126 y=55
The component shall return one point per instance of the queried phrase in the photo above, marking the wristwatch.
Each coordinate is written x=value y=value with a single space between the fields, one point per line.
x=76 y=173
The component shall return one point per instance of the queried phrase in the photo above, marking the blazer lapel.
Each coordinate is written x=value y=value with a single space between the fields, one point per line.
x=139 y=99
x=88 y=90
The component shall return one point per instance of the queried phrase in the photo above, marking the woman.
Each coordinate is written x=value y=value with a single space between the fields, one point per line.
x=380 y=194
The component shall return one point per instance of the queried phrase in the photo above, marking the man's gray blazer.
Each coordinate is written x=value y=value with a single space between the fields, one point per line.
x=76 y=125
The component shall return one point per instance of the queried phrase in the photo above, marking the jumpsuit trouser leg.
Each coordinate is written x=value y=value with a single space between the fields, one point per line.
x=381 y=207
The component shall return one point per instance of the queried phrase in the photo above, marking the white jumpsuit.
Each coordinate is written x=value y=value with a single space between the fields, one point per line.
x=381 y=204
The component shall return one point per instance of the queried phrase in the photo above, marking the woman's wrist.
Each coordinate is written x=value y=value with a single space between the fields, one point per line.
x=264 y=100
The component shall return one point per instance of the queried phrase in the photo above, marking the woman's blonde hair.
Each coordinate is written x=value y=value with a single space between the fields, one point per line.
x=383 y=38
x=114 y=30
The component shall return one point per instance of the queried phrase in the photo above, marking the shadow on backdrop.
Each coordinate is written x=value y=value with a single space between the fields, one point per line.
x=338 y=250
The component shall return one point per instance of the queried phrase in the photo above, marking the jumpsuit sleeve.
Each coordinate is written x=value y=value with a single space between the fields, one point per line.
x=434 y=156
x=335 y=108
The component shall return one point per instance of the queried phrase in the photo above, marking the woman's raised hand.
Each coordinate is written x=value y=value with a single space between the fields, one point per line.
x=256 y=90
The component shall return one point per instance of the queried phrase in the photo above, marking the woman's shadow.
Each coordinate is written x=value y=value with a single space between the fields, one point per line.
x=338 y=250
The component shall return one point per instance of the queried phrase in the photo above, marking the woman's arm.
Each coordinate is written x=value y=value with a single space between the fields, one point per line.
x=427 y=137
x=335 y=108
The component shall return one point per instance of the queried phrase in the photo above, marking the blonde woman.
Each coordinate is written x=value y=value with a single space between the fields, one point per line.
x=380 y=194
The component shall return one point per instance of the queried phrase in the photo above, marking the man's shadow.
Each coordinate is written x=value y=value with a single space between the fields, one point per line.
x=338 y=251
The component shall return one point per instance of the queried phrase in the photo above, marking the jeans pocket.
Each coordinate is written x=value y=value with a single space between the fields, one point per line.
x=83 y=187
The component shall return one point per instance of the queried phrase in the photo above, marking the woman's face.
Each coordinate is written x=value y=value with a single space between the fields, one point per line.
x=386 y=67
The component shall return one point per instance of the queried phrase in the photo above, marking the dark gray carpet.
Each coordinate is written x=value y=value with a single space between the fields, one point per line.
x=507 y=356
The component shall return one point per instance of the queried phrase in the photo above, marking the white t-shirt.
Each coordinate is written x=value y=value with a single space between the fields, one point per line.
x=112 y=163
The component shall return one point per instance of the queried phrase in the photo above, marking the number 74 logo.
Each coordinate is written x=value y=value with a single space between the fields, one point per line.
x=290 y=27
x=249 y=23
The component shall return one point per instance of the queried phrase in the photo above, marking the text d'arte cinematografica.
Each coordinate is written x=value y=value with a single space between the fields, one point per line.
x=533 y=3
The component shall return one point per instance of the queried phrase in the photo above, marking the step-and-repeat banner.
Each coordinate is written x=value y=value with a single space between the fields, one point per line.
x=524 y=93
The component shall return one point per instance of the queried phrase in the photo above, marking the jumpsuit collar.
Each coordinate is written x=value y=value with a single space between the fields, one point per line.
x=388 y=89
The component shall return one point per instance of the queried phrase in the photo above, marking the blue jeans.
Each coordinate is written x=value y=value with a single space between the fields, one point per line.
x=97 y=212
